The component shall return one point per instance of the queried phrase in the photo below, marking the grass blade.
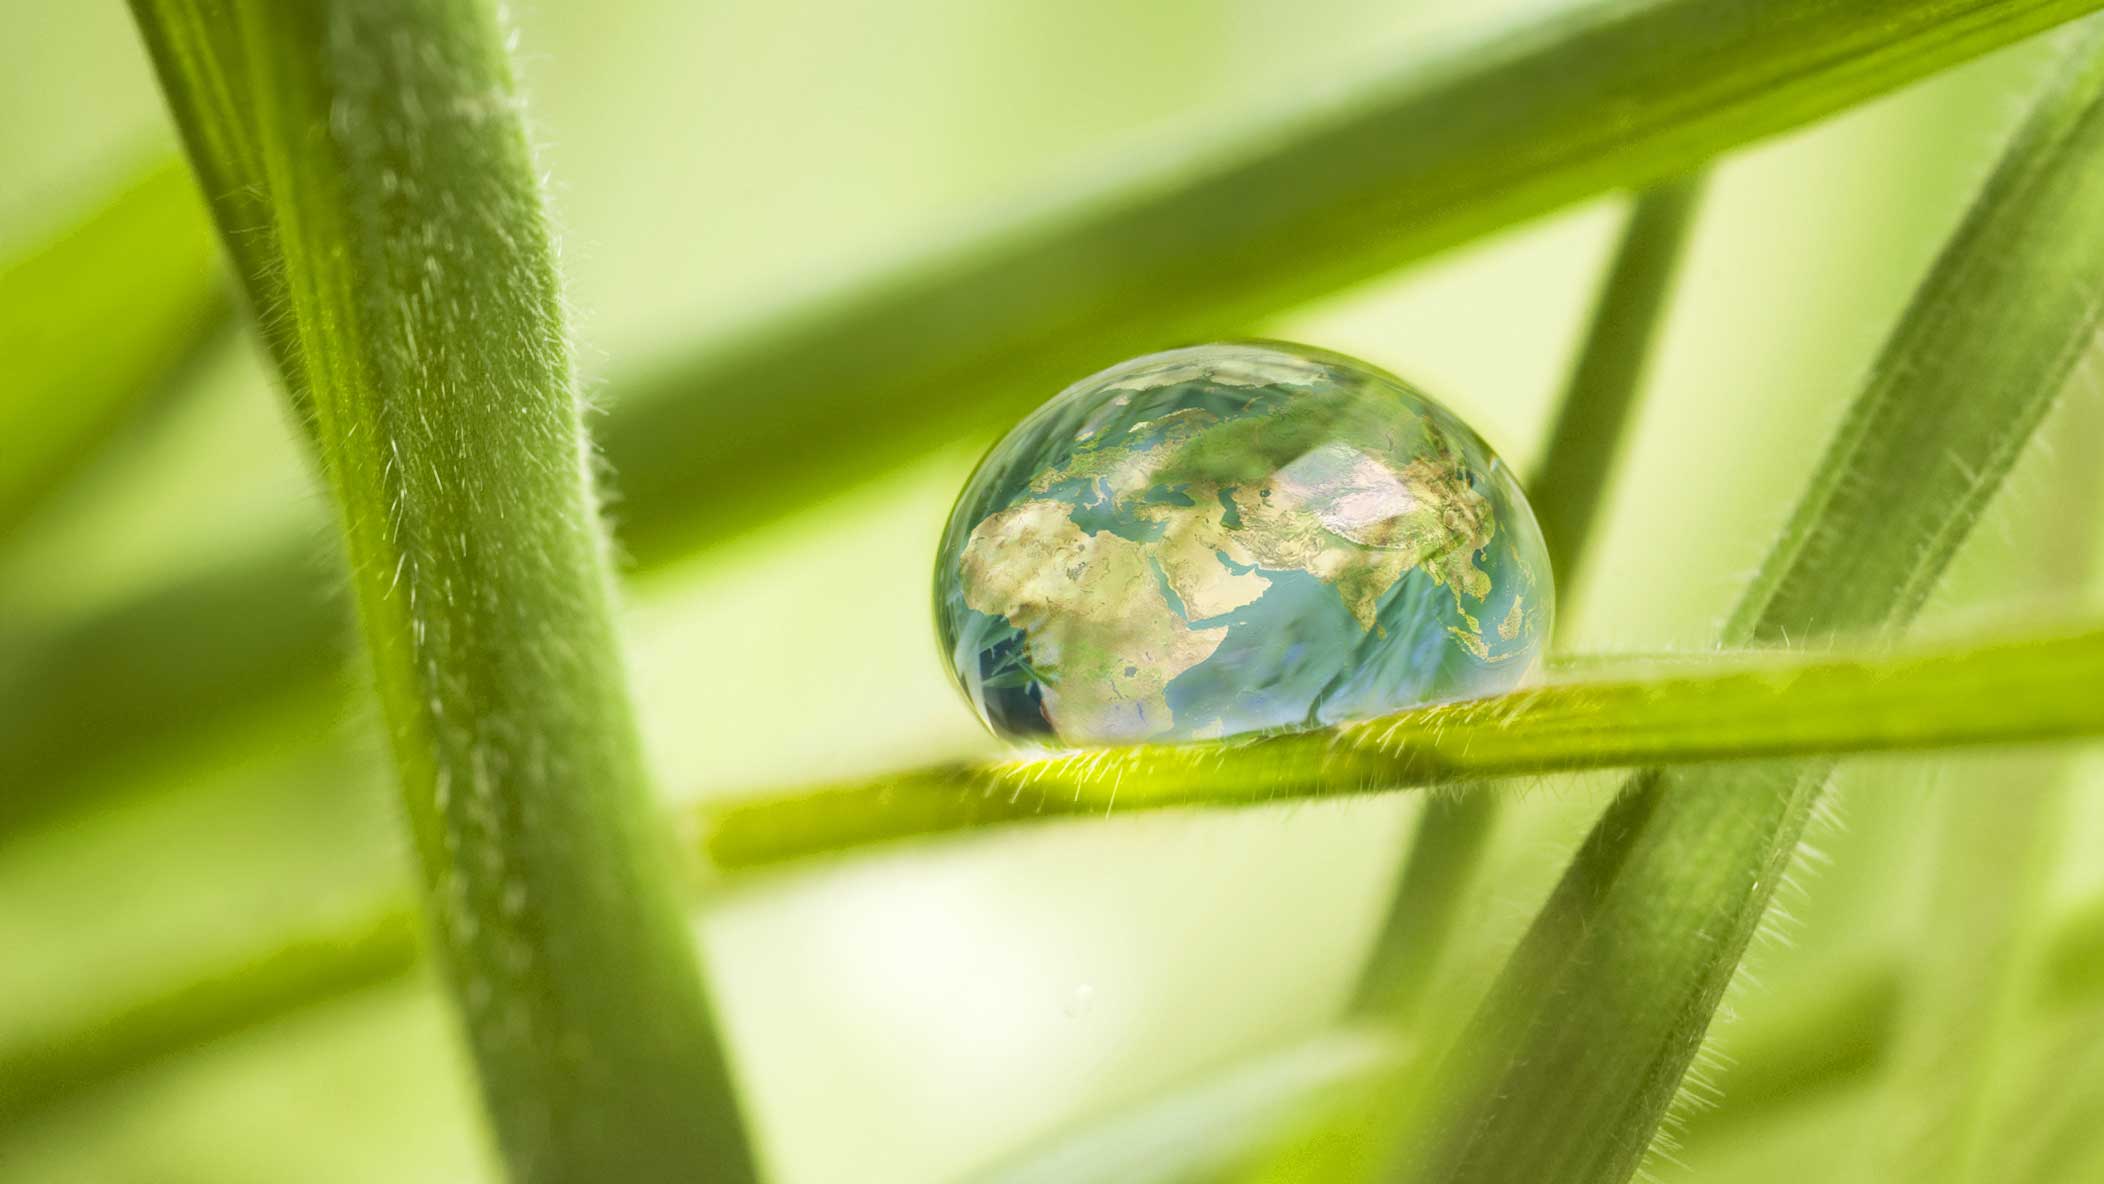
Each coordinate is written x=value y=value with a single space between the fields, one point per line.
x=140 y=260
x=1530 y=1091
x=1451 y=834
x=420 y=277
x=1617 y=94
x=1739 y=708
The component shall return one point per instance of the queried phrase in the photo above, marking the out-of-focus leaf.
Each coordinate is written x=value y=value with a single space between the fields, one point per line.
x=49 y=1067
x=1966 y=993
x=1980 y=939
x=93 y=320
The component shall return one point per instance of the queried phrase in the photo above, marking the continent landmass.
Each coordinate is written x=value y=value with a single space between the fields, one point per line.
x=1111 y=620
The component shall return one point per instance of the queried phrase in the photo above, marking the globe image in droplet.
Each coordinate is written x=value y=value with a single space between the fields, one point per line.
x=1236 y=538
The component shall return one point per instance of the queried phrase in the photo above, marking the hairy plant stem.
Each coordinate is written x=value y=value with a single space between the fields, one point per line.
x=419 y=277
x=1741 y=708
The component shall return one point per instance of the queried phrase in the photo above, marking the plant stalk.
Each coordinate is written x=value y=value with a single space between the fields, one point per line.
x=420 y=277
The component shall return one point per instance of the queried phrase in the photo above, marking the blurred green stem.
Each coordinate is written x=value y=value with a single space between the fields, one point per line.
x=1179 y=1135
x=1434 y=883
x=1966 y=986
x=1572 y=479
x=94 y=320
x=1452 y=833
x=297 y=973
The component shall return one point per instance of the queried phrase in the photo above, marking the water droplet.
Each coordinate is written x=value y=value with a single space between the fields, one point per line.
x=1080 y=1002
x=1234 y=538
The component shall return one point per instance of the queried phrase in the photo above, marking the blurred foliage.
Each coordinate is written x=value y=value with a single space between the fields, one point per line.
x=712 y=163
x=85 y=352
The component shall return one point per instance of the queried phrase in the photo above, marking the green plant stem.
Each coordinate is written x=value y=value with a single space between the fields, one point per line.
x=1454 y=829
x=1530 y=1092
x=1742 y=708
x=1618 y=94
x=420 y=278
x=67 y=381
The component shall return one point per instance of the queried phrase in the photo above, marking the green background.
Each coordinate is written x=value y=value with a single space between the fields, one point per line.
x=908 y=1016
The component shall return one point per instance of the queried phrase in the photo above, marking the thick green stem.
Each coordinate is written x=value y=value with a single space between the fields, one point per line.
x=1647 y=927
x=420 y=279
